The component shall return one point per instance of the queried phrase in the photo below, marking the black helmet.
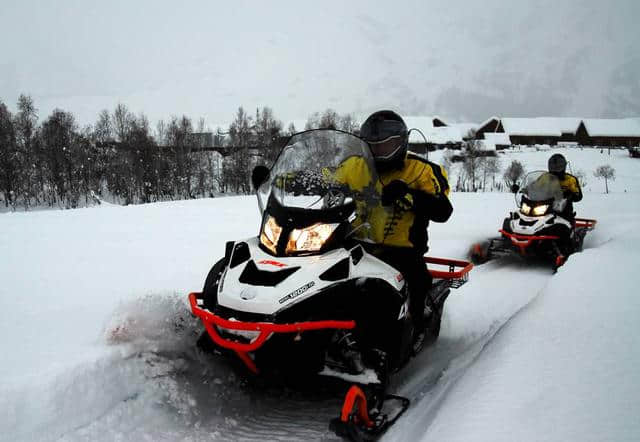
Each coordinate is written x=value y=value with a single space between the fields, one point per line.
x=388 y=137
x=557 y=163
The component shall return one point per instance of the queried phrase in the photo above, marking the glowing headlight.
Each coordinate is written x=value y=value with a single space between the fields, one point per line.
x=270 y=234
x=524 y=208
x=310 y=239
x=540 y=210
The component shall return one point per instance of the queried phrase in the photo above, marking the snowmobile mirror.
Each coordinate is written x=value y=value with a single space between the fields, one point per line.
x=515 y=188
x=259 y=175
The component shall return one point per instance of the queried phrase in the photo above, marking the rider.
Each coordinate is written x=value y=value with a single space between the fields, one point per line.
x=414 y=191
x=569 y=184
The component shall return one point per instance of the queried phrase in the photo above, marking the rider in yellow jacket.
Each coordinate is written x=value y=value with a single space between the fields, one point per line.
x=570 y=186
x=413 y=192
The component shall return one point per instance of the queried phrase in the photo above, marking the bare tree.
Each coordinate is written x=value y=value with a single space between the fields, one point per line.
x=473 y=163
x=313 y=122
x=9 y=157
x=103 y=130
x=161 y=133
x=348 y=123
x=607 y=173
x=490 y=167
x=122 y=120
x=291 y=129
x=267 y=133
x=236 y=168
x=329 y=119
x=25 y=125
x=581 y=176
x=513 y=174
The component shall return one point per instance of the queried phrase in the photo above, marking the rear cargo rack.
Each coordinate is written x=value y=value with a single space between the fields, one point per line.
x=457 y=272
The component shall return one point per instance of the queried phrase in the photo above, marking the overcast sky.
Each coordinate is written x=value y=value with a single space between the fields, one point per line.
x=464 y=60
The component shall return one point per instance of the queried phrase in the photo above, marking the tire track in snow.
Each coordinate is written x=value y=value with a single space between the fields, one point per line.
x=451 y=358
x=182 y=394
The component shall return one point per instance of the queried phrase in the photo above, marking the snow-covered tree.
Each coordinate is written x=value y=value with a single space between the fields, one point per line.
x=607 y=173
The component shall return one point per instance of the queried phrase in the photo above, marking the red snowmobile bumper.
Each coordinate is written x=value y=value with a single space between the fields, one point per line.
x=264 y=329
x=524 y=241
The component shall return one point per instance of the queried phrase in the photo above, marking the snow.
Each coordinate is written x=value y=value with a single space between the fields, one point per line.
x=96 y=344
x=496 y=138
x=624 y=127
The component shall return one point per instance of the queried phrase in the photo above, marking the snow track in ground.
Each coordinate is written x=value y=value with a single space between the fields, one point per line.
x=472 y=317
x=69 y=277
x=175 y=392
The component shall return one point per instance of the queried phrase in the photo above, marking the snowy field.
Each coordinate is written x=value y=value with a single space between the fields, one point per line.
x=95 y=344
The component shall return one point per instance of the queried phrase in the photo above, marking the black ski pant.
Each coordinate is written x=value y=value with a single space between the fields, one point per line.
x=411 y=265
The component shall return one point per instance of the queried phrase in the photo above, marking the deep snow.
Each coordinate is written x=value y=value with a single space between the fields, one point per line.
x=95 y=345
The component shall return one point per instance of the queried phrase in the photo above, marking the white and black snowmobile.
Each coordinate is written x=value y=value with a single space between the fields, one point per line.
x=543 y=227
x=305 y=296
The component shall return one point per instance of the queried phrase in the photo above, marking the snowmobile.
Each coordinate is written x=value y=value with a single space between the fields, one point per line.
x=305 y=297
x=543 y=227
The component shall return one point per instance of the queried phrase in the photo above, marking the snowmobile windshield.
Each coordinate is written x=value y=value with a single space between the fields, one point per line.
x=540 y=186
x=322 y=169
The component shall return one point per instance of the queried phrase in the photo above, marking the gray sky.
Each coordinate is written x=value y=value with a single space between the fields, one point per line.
x=464 y=60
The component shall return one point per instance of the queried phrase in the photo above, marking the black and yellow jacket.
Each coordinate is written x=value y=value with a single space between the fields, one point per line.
x=571 y=187
x=403 y=224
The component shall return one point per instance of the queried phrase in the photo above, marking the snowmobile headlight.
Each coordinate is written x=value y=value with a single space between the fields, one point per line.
x=270 y=234
x=310 y=239
x=540 y=210
x=524 y=208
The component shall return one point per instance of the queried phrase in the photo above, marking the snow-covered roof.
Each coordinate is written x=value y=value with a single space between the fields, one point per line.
x=435 y=135
x=498 y=138
x=464 y=128
x=539 y=126
x=623 y=127
x=487 y=121
x=567 y=125
x=531 y=127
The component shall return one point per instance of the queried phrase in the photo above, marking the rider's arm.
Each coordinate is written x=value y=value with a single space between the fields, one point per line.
x=430 y=194
x=572 y=186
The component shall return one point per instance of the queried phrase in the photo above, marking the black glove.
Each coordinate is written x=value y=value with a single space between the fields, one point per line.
x=394 y=191
x=568 y=195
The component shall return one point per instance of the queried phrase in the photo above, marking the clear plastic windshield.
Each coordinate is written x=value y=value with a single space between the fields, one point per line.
x=540 y=186
x=322 y=169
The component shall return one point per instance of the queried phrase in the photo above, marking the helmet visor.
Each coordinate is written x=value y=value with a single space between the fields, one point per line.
x=382 y=130
x=386 y=149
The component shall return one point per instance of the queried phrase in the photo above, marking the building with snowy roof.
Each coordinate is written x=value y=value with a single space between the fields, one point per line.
x=437 y=134
x=551 y=131
x=609 y=132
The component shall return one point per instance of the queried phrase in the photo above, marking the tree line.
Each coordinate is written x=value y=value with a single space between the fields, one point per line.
x=122 y=159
